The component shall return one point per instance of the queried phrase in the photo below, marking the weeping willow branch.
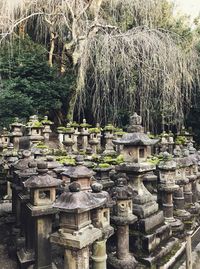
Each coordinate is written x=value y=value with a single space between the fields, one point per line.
x=141 y=69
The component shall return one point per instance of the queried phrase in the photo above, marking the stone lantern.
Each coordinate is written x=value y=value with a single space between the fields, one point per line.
x=190 y=191
x=47 y=128
x=84 y=135
x=23 y=195
x=122 y=217
x=171 y=142
x=35 y=129
x=52 y=165
x=191 y=178
x=93 y=140
x=167 y=186
x=21 y=165
x=76 y=232
x=5 y=137
x=181 y=180
x=42 y=196
x=102 y=176
x=135 y=165
x=99 y=136
x=68 y=141
x=61 y=131
x=187 y=134
x=80 y=174
x=16 y=132
x=148 y=233
x=76 y=134
x=109 y=136
x=101 y=220
x=10 y=157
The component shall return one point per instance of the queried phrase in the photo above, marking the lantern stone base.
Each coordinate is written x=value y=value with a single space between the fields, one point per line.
x=77 y=240
x=151 y=241
x=52 y=266
x=182 y=214
x=147 y=224
x=128 y=263
x=194 y=209
x=159 y=258
x=25 y=258
x=145 y=210
x=176 y=225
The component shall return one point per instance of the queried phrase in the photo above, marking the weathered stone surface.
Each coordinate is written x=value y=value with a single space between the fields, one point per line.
x=77 y=240
x=147 y=224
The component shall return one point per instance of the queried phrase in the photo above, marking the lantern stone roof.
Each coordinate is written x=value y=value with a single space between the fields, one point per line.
x=135 y=167
x=26 y=173
x=43 y=179
x=79 y=171
x=78 y=201
x=135 y=139
x=23 y=163
x=183 y=162
x=16 y=123
x=52 y=163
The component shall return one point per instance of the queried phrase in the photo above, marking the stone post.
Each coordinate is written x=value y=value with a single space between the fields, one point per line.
x=68 y=139
x=16 y=132
x=122 y=218
x=42 y=195
x=93 y=141
x=103 y=177
x=99 y=255
x=47 y=128
x=76 y=231
x=109 y=136
x=101 y=220
x=84 y=134
x=167 y=187
x=188 y=252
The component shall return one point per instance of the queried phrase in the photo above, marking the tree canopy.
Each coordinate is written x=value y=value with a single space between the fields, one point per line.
x=106 y=59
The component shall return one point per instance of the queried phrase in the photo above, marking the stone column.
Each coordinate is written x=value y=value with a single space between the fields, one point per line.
x=76 y=259
x=26 y=255
x=43 y=228
x=167 y=204
x=188 y=193
x=122 y=217
x=122 y=242
x=101 y=219
x=167 y=187
x=42 y=195
x=99 y=256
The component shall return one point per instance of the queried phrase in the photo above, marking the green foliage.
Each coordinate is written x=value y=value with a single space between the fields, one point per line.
x=41 y=145
x=111 y=160
x=104 y=165
x=74 y=124
x=154 y=160
x=85 y=125
x=180 y=140
x=109 y=127
x=94 y=130
x=66 y=160
x=28 y=85
x=37 y=124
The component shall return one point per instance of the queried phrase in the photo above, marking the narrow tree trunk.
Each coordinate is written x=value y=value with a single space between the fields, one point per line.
x=70 y=113
x=52 y=47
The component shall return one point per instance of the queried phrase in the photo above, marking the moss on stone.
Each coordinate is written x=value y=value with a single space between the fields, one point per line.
x=104 y=165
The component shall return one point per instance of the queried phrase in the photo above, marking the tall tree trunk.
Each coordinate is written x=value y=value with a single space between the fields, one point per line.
x=52 y=47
